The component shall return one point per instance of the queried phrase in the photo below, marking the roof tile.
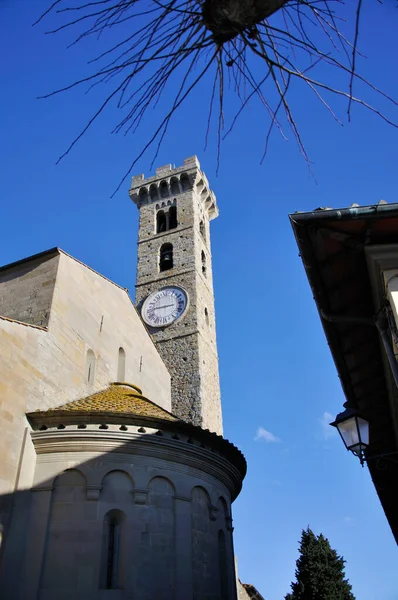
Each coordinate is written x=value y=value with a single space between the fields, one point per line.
x=117 y=398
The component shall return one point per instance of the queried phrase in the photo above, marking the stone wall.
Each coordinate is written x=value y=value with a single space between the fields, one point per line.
x=175 y=537
x=242 y=593
x=37 y=280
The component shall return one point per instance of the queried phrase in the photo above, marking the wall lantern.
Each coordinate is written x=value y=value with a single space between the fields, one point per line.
x=354 y=431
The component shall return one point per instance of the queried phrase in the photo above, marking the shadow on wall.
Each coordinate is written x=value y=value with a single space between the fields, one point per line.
x=149 y=519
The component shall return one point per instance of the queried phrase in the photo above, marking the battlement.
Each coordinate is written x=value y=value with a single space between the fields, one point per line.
x=191 y=162
x=171 y=181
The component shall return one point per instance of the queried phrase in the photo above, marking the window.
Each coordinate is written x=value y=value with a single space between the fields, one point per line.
x=164 y=189
x=166 y=257
x=161 y=223
x=202 y=229
x=185 y=183
x=174 y=186
x=143 y=195
x=112 y=555
x=121 y=365
x=153 y=192
x=207 y=317
x=90 y=366
x=113 y=546
x=166 y=219
x=203 y=263
x=172 y=217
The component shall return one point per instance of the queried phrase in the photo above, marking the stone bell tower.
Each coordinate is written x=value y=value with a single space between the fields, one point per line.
x=174 y=290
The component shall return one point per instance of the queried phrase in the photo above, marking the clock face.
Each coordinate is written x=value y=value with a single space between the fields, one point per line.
x=165 y=306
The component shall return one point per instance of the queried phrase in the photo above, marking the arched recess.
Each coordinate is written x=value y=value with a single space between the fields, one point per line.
x=162 y=492
x=156 y=553
x=164 y=189
x=117 y=488
x=113 y=550
x=143 y=194
x=173 y=217
x=204 y=268
x=204 y=546
x=223 y=508
x=153 y=192
x=66 y=525
x=202 y=229
x=121 y=365
x=174 y=185
x=90 y=366
x=185 y=182
x=166 y=257
x=161 y=222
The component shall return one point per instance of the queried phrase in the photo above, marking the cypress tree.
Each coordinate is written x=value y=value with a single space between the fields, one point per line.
x=319 y=571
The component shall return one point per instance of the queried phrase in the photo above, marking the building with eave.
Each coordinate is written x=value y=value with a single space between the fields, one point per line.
x=351 y=260
x=115 y=480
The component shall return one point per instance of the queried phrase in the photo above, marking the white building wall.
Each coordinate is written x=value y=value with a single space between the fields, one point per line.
x=90 y=312
x=45 y=367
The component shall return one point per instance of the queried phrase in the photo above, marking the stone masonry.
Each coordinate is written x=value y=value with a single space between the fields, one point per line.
x=188 y=346
x=37 y=280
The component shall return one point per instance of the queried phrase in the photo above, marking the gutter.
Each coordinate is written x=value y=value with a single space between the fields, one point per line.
x=345 y=214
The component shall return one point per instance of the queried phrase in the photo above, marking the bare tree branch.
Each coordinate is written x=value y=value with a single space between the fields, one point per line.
x=164 y=41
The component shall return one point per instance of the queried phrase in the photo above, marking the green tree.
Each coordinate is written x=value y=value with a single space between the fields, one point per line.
x=319 y=571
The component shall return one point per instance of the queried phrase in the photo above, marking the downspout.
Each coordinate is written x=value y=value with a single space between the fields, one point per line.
x=380 y=323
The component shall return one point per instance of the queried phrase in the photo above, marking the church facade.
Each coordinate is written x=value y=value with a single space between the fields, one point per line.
x=115 y=480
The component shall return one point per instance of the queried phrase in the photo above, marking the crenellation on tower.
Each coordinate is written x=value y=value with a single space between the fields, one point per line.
x=176 y=206
x=178 y=180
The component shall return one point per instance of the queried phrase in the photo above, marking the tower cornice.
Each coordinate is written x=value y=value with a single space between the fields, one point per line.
x=176 y=181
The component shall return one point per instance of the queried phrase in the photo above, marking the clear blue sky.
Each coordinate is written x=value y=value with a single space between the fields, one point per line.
x=276 y=370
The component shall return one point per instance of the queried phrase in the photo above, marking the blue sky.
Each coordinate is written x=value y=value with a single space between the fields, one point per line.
x=277 y=375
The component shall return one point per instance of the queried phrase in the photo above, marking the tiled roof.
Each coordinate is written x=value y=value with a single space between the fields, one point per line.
x=117 y=398
x=124 y=404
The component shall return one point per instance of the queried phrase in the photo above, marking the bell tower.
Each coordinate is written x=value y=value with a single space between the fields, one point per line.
x=174 y=289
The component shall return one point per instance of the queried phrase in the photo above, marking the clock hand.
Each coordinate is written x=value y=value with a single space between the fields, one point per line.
x=164 y=306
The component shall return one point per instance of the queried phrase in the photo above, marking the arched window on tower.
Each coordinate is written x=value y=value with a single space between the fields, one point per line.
x=174 y=186
x=113 y=551
x=161 y=223
x=202 y=229
x=166 y=257
x=143 y=195
x=90 y=366
x=203 y=263
x=153 y=192
x=164 y=189
x=173 y=217
x=121 y=365
x=185 y=182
